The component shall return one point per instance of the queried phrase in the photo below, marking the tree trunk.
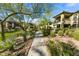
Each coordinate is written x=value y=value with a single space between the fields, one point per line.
x=2 y=32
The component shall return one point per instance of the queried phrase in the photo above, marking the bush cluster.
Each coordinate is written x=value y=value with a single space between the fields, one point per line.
x=46 y=31
x=61 y=49
x=52 y=33
x=75 y=35
x=60 y=33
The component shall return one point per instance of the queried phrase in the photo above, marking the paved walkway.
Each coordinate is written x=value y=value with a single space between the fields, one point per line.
x=39 y=47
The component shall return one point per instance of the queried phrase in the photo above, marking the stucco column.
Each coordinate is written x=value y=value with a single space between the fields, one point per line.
x=77 y=20
x=0 y=27
x=61 y=20
x=6 y=25
x=12 y=25
x=71 y=21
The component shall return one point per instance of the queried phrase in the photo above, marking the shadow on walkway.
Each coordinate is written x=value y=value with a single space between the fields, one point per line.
x=39 y=52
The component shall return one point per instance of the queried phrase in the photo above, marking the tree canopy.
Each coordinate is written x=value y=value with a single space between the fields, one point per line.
x=20 y=11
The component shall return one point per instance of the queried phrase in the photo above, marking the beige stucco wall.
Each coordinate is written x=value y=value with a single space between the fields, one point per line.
x=72 y=18
x=61 y=18
x=77 y=17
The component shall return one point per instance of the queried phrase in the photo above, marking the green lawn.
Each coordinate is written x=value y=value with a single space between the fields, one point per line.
x=8 y=34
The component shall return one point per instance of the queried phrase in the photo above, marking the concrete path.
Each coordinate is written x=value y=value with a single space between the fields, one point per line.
x=39 y=47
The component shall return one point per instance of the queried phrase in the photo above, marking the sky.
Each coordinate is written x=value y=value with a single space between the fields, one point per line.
x=70 y=7
x=59 y=7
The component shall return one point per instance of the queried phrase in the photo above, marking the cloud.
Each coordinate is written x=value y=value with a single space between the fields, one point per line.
x=71 y=4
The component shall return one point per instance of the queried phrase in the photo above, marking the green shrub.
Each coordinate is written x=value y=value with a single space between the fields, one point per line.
x=66 y=30
x=30 y=34
x=7 y=44
x=52 y=34
x=75 y=35
x=60 y=33
x=58 y=48
x=4 y=45
x=68 y=49
x=54 y=48
x=1 y=45
x=44 y=27
x=46 y=31
x=70 y=33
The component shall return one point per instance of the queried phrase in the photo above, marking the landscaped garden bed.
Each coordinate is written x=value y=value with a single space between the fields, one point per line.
x=59 y=48
x=17 y=49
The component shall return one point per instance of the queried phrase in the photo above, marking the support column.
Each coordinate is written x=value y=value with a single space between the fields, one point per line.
x=71 y=21
x=0 y=27
x=77 y=21
x=12 y=25
x=62 y=21
x=6 y=25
